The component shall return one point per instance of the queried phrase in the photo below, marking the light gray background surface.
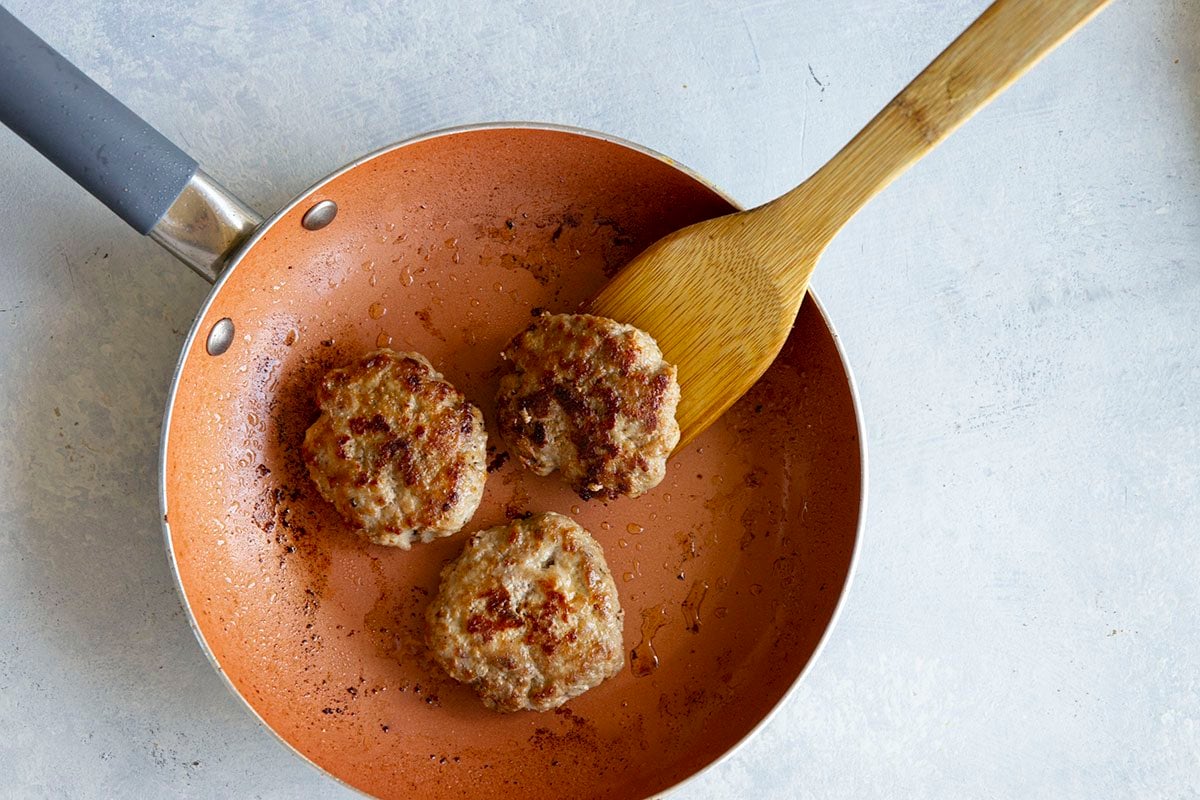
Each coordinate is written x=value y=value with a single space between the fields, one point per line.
x=1022 y=312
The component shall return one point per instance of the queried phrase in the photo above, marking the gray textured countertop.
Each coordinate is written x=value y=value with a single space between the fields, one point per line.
x=1022 y=312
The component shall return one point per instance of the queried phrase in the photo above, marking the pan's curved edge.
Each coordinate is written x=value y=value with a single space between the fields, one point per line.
x=235 y=260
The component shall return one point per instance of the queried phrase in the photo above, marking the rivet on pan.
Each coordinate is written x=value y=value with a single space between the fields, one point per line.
x=220 y=337
x=319 y=215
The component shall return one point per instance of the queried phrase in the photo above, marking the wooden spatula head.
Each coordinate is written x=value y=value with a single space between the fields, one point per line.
x=719 y=306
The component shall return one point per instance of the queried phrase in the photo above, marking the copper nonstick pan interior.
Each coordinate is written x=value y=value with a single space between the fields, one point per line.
x=729 y=571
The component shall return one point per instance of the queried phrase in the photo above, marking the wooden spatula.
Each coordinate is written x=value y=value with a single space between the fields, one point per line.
x=721 y=296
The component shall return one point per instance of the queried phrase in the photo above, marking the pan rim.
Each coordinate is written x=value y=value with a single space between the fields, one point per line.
x=269 y=223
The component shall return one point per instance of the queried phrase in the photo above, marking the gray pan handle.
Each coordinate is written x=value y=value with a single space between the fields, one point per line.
x=115 y=154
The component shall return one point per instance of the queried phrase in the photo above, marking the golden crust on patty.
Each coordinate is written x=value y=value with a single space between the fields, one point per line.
x=590 y=397
x=398 y=451
x=528 y=615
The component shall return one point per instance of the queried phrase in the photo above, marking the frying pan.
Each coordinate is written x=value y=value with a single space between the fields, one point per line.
x=730 y=571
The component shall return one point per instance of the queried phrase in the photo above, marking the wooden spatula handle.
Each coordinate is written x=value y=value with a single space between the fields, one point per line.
x=1009 y=38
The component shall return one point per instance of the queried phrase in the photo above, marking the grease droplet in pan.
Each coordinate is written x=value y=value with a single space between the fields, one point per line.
x=691 y=605
x=643 y=660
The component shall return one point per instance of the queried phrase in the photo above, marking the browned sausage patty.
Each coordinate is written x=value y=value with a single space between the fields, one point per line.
x=397 y=450
x=593 y=398
x=528 y=615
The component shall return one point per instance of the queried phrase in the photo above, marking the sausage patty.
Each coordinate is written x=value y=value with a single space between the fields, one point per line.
x=398 y=451
x=528 y=615
x=590 y=397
